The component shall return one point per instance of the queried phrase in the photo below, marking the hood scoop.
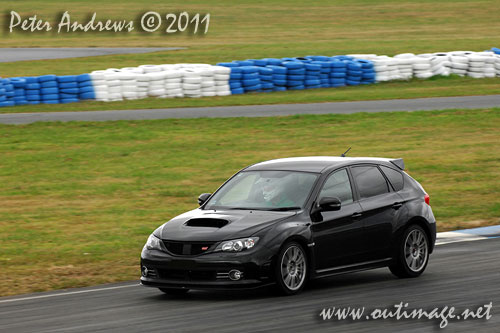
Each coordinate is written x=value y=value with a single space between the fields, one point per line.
x=206 y=222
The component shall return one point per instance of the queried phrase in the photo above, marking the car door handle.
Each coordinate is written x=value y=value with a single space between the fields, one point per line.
x=397 y=205
x=356 y=215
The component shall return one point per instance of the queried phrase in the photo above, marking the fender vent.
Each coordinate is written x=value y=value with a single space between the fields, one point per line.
x=204 y=222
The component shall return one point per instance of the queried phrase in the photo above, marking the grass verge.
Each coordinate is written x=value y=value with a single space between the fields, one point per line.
x=79 y=199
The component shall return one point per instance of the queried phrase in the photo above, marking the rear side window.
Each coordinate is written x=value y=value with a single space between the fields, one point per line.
x=395 y=177
x=370 y=181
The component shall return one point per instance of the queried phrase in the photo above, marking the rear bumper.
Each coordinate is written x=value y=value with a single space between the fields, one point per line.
x=208 y=271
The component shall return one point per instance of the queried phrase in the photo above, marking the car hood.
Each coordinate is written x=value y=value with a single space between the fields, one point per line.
x=210 y=225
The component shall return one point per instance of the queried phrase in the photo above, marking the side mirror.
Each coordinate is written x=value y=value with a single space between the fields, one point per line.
x=203 y=198
x=328 y=204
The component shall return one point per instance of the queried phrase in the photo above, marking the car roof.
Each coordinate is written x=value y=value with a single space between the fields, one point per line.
x=319 y=164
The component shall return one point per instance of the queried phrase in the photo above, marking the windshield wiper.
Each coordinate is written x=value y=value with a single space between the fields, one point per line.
x=282 y=209
x=245 y=208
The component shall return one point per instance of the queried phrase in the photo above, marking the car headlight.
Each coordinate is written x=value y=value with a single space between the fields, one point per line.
x=153 y=243
x=237 y=245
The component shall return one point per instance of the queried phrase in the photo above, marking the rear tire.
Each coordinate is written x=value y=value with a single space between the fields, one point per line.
x=291 y=269
x=174 y=291
x=412 y=253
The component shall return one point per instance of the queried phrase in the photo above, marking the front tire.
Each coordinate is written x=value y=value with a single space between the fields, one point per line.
x=291 y=269
x=174 y=291
x=412 y=254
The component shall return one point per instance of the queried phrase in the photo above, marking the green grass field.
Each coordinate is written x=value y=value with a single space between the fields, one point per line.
x=79 y=199
x=256 y=29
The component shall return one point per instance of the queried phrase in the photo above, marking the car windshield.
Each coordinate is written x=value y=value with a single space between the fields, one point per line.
x=264 y=190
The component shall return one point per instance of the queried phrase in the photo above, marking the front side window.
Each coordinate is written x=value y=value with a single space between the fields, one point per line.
x=338 y=185
x=369 y=180
x=264 y=190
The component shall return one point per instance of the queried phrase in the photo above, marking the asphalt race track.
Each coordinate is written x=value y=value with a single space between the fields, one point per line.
x=463 y=275
x=437 y=103
x=22 y=54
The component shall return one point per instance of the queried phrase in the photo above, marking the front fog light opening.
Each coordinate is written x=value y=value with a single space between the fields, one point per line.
x=144 y=271
x=235 y=275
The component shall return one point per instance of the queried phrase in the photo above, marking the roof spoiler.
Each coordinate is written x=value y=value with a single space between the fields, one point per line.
x=399 y=163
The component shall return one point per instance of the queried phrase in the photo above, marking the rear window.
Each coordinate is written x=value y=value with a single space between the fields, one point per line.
x=370 y=181
x=395 y=178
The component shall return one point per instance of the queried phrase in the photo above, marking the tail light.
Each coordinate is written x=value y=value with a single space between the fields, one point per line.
x=427 y=199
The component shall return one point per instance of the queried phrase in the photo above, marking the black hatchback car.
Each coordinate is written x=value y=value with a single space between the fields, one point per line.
x=289 y=220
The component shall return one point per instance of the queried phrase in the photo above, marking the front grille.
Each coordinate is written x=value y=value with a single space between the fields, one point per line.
x=185 y=275
x=187 y=248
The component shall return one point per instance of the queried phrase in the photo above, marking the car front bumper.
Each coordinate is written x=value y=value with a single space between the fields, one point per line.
x=207 y=271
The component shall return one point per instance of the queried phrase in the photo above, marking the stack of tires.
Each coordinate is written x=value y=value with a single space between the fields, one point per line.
x=422 y=67
x=3 y=94
x=279 y=75
x=405 y=65
x=497 y=64
x=459 y=64
x=313 y=75
x=296 y=74
x=49 y=89
x=338 y=73
x=19 y=91
x=266 y=79
x=221 y=75
x=368 y=73
x=191 y=82
x=235 y=78
x=354 y=72
x=100 y=85
x=9 y=93
x=68 y=89
x=33 y=90
x=85 y=87
x=440 y=64
x=251 y=78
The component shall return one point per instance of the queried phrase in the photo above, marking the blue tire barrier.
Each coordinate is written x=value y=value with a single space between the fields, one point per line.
x=294 y=83
x=266 y=85
x=85 y=84
x=297 y=71
x=279 y=82
x=337 y=81
x=70 y=90
x=237 y=91
x=33 y=86
x=250 y=76
x=352 y=83
x=30 y=79
x=21 y=102
x=266 y=77
x=83 y=78
x=244 y=63
x=33 y=97
x=249 y=69
x=50 y=97
x=83 y=90
x=337 y=64
x=325 y=85
x=52 y=101
x=368 y=76
x=253 y=88
x=288 y=59
x=66 y=78
x=66 y=96
x=234 y=85
x=3 y=98
x=87 y=95
x=235 y=76
x=7 y=103
x=19 y=92
x=303 y=59
x=265 y=71
x=312 y=82
x=301 y=87
x=33 y=102
x=337 y=85
x=18 y=82
x=278 y=69
x=46 y=91
x=273 y=61
x=67 y=85
x=293 y=65
x=279 y=76
x=70 y=100
x=337 y=75
x=228 y=64
x=312 y=67
x=279 y=88
x=250 y=83
x=259 y=62
x=354 y=66
x=296 y=77
x=45 y=78
x=49 y=84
